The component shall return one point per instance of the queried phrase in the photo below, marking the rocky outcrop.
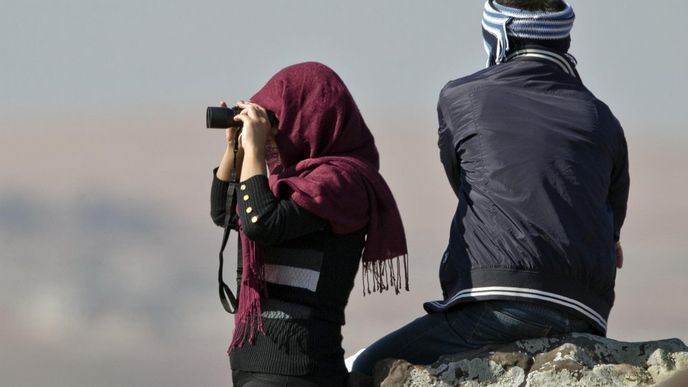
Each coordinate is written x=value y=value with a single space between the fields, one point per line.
x=575 y=360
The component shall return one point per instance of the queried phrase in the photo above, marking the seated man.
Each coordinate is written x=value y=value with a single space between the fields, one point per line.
x=540 y=169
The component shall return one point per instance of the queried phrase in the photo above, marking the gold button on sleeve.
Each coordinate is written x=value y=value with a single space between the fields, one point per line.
x=254 y=219
x=246 y=197
x=249 y=210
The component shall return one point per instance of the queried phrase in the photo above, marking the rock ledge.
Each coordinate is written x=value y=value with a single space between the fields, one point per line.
x=575 y=360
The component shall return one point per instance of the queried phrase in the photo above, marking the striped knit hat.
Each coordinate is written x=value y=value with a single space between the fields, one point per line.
x=551 y=29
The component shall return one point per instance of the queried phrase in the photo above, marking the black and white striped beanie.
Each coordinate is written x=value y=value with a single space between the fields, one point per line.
x=551 y=29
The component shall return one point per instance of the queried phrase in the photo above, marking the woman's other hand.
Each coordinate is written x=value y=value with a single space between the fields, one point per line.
x=227 y=163
x=230 y=133
x=256 y=126
x=254 y=135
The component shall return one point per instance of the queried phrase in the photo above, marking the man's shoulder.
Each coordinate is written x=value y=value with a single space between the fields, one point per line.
x=461 y=89
x=606 y=118
x=527 y=74
x=467 y=81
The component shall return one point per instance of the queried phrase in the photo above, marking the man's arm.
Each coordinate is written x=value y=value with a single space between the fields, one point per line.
x=618 y=190
x=448 y=155
x=620 y=178
x=618 y=197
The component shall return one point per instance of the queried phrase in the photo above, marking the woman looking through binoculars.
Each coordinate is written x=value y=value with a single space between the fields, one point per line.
x=311 y=206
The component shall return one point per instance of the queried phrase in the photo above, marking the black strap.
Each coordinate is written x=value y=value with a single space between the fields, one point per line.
x=229 y=301
x=227 y=298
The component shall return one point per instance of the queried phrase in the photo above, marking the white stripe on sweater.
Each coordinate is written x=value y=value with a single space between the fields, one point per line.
x=292 y=276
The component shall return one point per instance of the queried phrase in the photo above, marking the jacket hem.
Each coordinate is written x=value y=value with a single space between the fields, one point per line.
x=514 y=285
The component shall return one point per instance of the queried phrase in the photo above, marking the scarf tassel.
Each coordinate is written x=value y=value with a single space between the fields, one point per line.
x=381 y=275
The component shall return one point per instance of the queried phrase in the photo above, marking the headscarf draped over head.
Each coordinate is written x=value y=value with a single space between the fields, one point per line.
x=500 y=23
x=328 y=164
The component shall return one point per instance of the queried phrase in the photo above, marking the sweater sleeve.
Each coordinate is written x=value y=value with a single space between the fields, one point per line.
x=270 y=221
x=218 y=199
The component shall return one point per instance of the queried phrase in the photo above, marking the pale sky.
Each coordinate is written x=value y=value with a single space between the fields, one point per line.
x=108 y=259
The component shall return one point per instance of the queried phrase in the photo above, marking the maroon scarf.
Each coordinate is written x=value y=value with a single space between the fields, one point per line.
x=327 y=163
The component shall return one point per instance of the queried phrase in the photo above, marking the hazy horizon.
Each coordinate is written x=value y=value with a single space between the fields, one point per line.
x=109 y=256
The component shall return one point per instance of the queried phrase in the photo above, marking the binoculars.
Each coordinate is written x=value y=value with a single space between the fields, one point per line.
x=218 y=117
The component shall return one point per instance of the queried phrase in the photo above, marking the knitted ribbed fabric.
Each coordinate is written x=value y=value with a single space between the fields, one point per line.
x=500 y=23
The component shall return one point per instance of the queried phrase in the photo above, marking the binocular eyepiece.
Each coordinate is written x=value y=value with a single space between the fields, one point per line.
x=218 y=117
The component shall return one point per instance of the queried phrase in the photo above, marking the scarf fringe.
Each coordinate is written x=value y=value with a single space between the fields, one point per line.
x=245 y=329
x=385 y=274
x=248 y=318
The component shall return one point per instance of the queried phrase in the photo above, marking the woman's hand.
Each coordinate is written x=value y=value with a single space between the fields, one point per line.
x=254 y=135
x=256 y=126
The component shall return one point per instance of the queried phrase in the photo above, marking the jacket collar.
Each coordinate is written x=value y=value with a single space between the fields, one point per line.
x=565 y=62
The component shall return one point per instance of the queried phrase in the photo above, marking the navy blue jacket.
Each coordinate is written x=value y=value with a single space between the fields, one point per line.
x=540 y=168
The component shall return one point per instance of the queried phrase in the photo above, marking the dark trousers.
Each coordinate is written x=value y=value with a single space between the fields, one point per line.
x=254 y=379
x=466 y=327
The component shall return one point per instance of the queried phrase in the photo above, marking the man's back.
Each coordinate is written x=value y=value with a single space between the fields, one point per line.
x=540 y=169
x=532 y=154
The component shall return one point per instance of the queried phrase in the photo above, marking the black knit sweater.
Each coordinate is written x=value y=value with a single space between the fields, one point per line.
x=309 y=272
